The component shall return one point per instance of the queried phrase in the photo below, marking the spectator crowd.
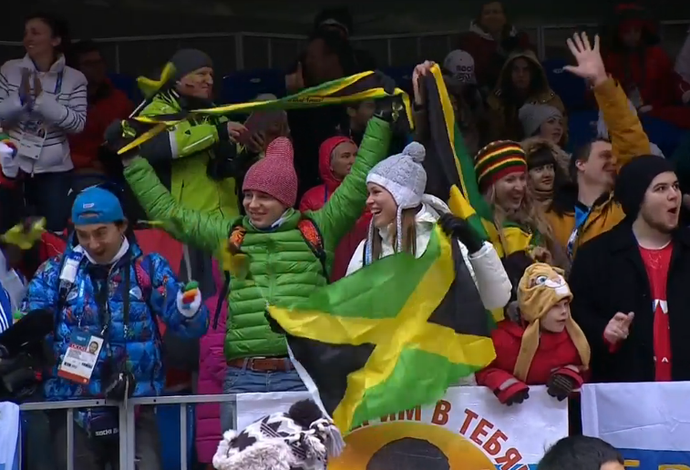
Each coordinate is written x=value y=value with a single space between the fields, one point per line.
x=160 y=261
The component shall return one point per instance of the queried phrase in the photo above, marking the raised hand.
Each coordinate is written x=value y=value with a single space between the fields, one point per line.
x=420 y=70
x=590 y=65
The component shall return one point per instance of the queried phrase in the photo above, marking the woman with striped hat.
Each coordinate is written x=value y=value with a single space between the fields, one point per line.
x=519 y=224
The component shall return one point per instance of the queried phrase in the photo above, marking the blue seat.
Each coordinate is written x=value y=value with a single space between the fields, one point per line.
x=570 y=88
x=168 y=417
x=243 y=86
x=128 y=85
x=581 y=128
x=402 y=76
x=664 y=134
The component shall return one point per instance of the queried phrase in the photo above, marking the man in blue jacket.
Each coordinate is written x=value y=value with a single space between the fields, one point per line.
x=105 y=293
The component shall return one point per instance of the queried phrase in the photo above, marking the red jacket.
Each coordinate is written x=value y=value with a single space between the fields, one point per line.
x=651 y=71
x=316 y=198
x=108 y=105
x=555 y=353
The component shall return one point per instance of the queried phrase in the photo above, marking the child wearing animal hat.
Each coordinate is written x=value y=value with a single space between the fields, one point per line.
x=543 y=347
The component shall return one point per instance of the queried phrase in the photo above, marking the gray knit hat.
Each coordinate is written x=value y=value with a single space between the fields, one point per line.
x=532 y=116
x=187 y=61
x=404 y=177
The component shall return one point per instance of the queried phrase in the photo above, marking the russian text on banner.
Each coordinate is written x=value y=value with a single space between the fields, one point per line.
x=648 y=422
x=391 y=336
x=466 y=430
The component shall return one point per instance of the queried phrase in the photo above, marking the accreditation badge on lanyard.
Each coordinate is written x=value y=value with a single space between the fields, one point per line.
x=34 y=131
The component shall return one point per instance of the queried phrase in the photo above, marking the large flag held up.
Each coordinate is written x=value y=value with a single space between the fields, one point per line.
x=391 y=336
x=352 y=89
x=452 y=176
x=449 y=166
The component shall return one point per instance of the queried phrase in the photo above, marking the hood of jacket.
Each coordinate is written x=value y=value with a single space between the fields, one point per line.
x=631 y=12
x=325 y=152
x=425 y=221
x=543 y=94
x=534 y=144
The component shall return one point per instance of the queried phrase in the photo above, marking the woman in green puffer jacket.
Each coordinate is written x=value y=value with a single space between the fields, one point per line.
x=281 y=265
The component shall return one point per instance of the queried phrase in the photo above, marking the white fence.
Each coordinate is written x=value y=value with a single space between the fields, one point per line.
x=239 y=51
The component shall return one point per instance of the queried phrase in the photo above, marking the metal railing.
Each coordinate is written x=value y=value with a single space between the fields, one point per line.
x=126 y=421
x=243 y=50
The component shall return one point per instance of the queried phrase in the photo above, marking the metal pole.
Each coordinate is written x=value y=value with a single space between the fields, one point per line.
x=183 y=437
x=239 y=51
x=122 y=436
x=70 y=438
x=389 y=51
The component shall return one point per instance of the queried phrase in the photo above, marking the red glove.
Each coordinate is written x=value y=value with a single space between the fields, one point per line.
x=514 y=393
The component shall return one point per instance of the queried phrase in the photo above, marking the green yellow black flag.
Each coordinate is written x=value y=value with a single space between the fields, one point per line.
x=452 y=177
x=359 y=87
x=449 y=166
x=391 y=336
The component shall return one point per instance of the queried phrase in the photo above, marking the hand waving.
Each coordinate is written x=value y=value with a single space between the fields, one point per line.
x=590 y=65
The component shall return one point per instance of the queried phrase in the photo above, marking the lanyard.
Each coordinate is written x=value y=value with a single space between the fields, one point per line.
x=581 y=217
x=58 y=84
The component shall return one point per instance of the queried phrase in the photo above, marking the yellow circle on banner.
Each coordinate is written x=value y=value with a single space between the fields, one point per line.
x=363 y=443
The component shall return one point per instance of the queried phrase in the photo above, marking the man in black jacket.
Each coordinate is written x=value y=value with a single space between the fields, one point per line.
x=630 y=285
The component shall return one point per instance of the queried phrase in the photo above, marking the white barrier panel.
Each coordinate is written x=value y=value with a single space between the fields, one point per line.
x=648 y=422
x=467 y=430
x=9 y=436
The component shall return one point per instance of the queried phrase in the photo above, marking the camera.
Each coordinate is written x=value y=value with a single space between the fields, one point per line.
x=23 y=354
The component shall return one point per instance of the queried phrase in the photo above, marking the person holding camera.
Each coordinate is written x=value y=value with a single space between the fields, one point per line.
x=106 y=297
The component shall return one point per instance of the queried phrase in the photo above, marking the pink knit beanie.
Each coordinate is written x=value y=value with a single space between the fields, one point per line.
x=275 y=174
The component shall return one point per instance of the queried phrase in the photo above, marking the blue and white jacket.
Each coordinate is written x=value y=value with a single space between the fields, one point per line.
x=137 y=344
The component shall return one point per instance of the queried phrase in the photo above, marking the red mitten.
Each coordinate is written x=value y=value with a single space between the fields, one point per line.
x=512 y=393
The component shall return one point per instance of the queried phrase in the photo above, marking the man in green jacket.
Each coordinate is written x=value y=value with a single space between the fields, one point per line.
x=193 y=158
x=282 y=265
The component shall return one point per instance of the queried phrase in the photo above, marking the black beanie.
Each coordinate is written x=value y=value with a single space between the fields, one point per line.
x=187 y=61
x=634 y=179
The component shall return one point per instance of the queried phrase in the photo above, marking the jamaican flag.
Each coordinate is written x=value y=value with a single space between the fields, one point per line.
x=362 y=86
x=391 y=336
x=449 y=166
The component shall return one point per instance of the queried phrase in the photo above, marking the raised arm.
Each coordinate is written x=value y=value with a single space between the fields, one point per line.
x=186 y=318
x=183 y=139
x=203 y=230
x=628 y=138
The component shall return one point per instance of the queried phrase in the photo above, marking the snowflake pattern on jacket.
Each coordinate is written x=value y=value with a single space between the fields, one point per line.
x=138 y=345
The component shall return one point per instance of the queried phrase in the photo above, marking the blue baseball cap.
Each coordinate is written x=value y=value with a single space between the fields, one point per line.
x=96 y=206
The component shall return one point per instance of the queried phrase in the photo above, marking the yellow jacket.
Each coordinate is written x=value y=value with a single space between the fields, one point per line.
x=628 y=140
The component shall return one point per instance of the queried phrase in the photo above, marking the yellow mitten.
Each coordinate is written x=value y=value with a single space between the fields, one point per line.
x=25 y=235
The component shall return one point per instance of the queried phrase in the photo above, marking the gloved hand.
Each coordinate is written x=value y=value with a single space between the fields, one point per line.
x=560 y=386
x=457 y=227
x=189 y=300
x=388 y=107
x=517 y=397
x=26 y=233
